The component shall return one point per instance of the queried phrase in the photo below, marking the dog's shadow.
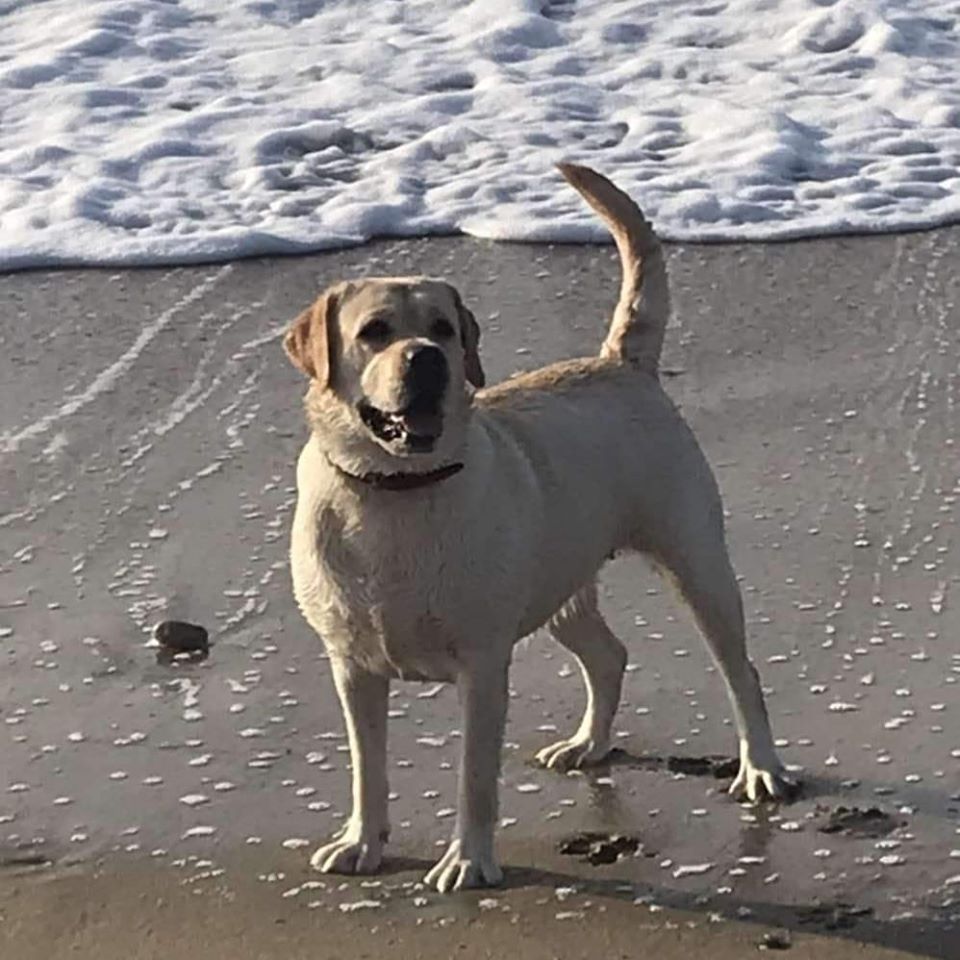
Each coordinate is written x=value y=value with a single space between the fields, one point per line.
x=835 y=919
x=723 y=769
x=712 y=766
x=718 y=766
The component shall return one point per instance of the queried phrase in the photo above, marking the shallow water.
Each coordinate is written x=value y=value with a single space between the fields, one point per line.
x=146 y=451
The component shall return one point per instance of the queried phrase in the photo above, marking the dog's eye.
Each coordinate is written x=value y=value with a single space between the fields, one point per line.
x=441 y=329
x=375 y=331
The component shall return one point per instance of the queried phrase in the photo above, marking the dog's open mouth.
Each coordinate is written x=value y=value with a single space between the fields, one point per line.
x=416 y=427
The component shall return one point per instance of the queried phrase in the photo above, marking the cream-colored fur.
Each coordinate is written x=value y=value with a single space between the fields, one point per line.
x=561 y=468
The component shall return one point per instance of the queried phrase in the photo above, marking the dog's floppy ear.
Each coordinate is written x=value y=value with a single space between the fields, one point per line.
x=470 y=338
x=309 y=341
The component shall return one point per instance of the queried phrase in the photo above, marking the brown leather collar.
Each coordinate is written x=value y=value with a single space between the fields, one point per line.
x=403 y=481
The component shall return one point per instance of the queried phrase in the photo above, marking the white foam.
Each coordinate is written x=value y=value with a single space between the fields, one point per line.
x=136 y=131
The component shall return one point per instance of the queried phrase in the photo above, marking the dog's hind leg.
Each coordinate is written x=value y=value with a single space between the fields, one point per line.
x=702 y=570
x=579 y=626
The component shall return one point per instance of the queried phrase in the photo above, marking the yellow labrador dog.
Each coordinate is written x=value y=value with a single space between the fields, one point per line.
x=437 y=523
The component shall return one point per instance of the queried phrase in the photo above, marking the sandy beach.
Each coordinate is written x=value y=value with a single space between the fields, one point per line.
x=149 y=426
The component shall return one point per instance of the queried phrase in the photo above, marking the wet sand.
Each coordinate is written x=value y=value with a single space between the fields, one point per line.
x=148 y=431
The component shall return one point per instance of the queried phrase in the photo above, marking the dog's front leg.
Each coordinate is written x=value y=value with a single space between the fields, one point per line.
x=359 y=846
x=470 y=860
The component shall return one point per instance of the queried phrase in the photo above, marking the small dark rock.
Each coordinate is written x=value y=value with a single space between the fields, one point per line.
x=177 y=638
x=600 y=848
x=776 y=940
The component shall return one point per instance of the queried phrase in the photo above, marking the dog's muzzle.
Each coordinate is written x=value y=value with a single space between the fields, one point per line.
x=419 y=423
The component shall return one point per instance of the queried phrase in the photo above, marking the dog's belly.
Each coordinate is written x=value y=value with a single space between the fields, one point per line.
x=416 y=617
x=403 y=644
x=386 y=638
x=392 y=618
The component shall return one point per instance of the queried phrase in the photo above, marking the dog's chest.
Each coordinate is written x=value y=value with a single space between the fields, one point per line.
x=380 y=593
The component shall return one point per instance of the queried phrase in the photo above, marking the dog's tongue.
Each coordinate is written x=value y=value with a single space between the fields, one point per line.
x=422 y=423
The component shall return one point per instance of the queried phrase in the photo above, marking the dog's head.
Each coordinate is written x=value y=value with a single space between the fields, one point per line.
x=392 y=364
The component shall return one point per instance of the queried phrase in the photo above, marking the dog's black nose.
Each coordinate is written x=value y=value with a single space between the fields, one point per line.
x=427 y=369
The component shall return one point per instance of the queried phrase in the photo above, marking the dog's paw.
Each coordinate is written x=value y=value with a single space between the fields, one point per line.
x=352 y=852
x=573 y=753
x=759 y=782
x=461 y=869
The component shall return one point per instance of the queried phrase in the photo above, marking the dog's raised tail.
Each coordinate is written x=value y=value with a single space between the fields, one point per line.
x=640 y=318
